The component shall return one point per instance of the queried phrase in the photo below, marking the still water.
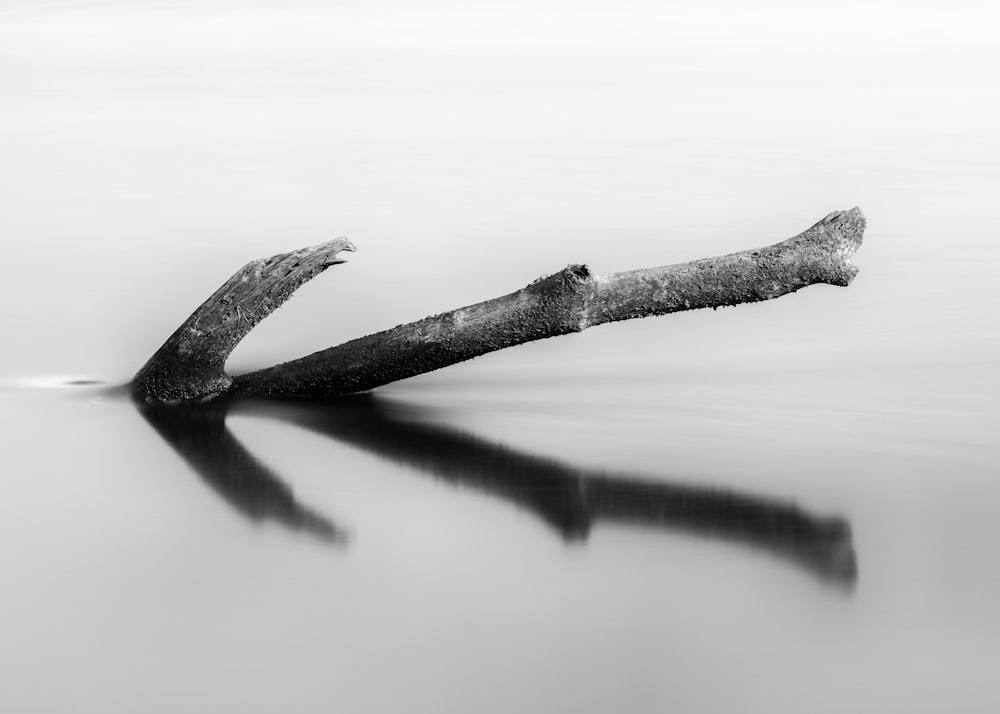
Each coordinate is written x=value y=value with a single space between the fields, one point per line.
x=784 y=507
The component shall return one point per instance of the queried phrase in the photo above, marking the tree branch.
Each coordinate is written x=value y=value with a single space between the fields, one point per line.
x=568 y=301
x=190 y=366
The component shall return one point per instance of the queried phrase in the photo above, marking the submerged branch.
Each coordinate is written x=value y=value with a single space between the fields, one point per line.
x=189 y=366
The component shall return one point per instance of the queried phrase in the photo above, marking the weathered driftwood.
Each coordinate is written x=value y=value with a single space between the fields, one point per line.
x=190 y=365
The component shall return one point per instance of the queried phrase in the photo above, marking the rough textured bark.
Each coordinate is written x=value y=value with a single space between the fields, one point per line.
x=190 y=366
x=568 y=301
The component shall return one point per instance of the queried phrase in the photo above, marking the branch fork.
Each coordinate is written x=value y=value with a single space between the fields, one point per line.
x=190 y=365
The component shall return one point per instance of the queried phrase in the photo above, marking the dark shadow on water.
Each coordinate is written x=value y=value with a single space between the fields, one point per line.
x=568 y=499
x=200 y=435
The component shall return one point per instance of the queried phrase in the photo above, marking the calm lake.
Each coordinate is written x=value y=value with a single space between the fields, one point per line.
x=791 y=506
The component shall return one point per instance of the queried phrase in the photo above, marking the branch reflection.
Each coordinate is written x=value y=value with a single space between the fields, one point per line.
x=200 y=435
x=568 y=499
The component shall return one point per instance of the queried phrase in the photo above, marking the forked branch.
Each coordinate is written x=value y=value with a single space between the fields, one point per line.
x=190 y=365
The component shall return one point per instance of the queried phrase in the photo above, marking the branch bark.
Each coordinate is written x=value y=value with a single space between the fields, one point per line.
x=190 y=365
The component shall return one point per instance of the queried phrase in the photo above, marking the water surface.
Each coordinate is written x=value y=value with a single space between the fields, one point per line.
x=788 y=506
